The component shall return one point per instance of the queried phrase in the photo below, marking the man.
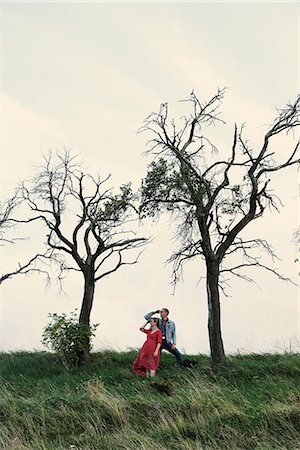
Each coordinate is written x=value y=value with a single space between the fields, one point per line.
x=168 y=330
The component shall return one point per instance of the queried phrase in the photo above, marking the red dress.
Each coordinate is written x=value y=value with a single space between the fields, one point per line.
x=145 y=359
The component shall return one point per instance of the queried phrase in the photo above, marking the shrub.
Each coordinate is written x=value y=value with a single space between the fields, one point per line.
x=65 y=336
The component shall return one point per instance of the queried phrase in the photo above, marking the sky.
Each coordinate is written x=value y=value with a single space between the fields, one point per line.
x=83 y=76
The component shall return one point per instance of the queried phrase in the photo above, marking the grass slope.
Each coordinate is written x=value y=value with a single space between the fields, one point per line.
x=252 y=404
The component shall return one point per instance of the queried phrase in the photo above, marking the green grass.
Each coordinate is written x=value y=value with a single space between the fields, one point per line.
x=254 y=403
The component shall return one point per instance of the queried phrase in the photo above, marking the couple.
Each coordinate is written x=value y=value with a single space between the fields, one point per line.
x=160 y=336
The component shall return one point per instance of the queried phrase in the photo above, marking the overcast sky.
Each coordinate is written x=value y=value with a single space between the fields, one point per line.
x=84 y=76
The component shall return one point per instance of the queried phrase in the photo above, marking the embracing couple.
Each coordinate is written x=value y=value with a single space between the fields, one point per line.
x=160 y=336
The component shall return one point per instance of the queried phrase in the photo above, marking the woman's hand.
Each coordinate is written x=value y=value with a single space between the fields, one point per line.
x=155 y=354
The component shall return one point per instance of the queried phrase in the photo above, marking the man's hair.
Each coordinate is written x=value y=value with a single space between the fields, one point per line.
x=166 y=309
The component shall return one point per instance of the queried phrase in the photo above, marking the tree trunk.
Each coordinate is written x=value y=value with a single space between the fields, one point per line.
x=85 y=314
x=214 y=314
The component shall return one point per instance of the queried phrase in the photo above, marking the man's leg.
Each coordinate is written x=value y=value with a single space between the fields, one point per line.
x=175 y=352
x=178 y=356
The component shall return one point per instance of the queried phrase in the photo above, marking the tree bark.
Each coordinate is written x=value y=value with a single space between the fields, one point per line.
x=85 y=314
x=214 y=314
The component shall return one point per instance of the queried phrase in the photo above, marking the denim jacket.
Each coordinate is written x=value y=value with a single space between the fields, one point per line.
x=170 y=328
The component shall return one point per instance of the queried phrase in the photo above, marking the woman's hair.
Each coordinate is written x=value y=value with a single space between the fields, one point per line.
x=156 y=320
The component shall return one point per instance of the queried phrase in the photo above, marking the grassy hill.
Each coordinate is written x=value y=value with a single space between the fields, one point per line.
x=253 y=404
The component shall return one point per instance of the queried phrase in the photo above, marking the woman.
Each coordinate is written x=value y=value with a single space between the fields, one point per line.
x=149 y=356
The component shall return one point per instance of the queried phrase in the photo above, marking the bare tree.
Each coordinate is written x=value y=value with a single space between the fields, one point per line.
x=7 y=211
x=188 y=178
x=88 y=226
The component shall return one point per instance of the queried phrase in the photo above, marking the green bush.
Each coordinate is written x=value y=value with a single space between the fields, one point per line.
x=65 y=336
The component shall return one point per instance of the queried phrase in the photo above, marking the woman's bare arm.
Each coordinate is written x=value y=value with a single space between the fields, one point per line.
x=142 y=328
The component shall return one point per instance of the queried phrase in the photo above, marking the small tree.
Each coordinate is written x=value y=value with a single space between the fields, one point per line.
x=212 y=208
x=87 y=224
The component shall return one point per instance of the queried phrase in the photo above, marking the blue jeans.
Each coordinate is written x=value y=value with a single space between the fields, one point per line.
x=167 y=346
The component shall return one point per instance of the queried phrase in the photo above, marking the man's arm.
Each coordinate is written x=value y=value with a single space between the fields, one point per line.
x=174 y=336
x=150 y=314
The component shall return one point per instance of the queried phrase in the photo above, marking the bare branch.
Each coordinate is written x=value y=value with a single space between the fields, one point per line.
x=118 y=265
x=257 y=264
x=26 y=268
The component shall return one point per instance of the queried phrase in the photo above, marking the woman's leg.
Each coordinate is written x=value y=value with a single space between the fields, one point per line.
x=147 y=373
x=152 y=373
